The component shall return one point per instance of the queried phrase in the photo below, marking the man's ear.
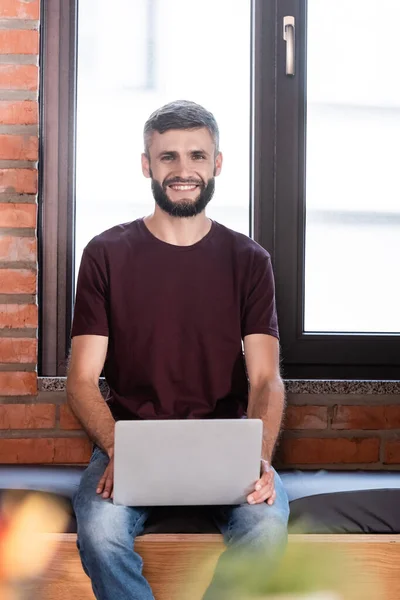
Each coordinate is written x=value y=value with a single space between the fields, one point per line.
x=146 y=170
x=218 y=164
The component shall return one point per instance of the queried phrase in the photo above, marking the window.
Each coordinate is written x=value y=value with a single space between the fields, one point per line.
x=309 y=166
x=122 y=81
x=337 y=219
x=352 y=208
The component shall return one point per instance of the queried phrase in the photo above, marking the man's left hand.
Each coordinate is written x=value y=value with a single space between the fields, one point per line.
x=265 y=486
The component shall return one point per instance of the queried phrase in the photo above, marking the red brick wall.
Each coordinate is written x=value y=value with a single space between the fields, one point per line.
x=19 y=46
x=341 y=431
x=333 y=430
x=33 y=428
x=323 y=430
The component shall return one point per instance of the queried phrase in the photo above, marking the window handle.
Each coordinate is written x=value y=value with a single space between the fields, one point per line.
x=289 y=37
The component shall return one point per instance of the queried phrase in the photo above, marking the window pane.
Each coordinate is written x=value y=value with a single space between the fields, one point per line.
x=135 y=58
x=353 y=200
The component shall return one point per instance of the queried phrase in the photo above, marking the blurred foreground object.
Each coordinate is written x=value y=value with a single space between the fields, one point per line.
x=306 y=571
x=25 y=546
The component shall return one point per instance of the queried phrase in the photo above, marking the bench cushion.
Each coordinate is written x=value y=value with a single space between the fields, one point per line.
x=325 y=502
x=365 y=511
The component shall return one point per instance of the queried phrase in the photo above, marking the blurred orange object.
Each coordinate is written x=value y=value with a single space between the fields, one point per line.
x=25 y=549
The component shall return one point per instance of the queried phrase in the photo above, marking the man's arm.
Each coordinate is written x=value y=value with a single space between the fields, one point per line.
x=266 y=402
x=267 y=394
x=88 y=355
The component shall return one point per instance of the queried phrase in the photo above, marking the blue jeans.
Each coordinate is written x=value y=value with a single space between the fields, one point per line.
x=106 y=534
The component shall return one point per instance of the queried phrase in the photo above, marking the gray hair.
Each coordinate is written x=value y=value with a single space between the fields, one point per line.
x=180 y=114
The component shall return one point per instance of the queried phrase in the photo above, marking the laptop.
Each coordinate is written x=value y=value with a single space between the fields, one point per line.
x=186 y=462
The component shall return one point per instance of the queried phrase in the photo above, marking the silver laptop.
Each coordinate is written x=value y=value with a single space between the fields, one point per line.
x=186 y=462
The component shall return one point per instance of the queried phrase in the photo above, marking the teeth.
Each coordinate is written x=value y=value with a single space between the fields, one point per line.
x=183 y=187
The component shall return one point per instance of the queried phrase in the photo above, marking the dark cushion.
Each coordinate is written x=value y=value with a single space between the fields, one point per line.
x=181 y=519
x=300 y=484
x=326 y=502
x=366 y=511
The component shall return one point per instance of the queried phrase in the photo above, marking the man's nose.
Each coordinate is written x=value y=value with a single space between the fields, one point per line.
x=184 y=170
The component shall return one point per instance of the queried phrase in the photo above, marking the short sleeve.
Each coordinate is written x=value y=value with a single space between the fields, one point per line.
x=91 y=301
x=259 y=314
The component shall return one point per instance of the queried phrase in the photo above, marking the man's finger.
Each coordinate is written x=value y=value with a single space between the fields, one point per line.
x=100 y=485
x=256 y=496
x=266 y=479
x=267 y=496
x=103 y=478
x=265 y=493
x=108 y=487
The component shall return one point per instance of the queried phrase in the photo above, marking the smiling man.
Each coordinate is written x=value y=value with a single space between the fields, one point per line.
x=164 y=304
x=180 y=195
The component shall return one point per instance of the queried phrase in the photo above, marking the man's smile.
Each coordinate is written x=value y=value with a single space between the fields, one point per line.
x=179 y=187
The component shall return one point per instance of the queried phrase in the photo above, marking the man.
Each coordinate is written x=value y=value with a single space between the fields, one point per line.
x=163 y=303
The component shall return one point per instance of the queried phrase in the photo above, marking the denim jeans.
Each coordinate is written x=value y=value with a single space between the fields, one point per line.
x=106 y=534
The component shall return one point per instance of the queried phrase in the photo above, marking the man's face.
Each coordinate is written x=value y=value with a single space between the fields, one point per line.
x=182 y=168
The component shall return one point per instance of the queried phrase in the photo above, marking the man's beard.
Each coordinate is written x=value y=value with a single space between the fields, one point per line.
x=183 y=208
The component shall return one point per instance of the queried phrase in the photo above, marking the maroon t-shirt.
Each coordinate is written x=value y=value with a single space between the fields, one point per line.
x=175 y=317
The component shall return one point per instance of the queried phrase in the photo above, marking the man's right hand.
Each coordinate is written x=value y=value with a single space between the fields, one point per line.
x=106 y=483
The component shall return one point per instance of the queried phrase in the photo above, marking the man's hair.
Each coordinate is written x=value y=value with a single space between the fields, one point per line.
x=181 y=114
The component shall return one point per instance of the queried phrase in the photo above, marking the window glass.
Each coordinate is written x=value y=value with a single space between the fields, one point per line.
x=135 y=58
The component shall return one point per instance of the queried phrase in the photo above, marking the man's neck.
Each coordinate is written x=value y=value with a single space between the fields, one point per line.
x=178 y=231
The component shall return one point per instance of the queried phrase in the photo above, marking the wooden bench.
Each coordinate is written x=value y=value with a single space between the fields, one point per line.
x=179 y=567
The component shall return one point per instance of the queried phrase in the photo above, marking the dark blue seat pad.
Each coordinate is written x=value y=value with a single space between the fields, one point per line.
x=324 y=501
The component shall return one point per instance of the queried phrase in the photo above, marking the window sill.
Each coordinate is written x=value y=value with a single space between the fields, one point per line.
x=293 y=386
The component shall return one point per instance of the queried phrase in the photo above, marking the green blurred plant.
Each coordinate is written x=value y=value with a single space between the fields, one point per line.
x=304 y=569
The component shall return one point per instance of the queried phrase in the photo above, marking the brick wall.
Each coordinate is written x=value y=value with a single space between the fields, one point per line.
x=32 y=427
x=322 y=430
x=41 y=429
x=341 y=431
x=330 y=430
x=19 y=45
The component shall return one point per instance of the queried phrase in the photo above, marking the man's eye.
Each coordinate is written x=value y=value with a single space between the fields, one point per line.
x=199 y=157
x=167 y=158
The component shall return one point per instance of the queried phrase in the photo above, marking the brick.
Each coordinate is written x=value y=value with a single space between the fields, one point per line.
x=392 y=452
x=19 y=77
x=19 y=147
x=18 y=350
x=68 y=419
x=19 y=9
x=17 y=281
x=13 y=248
x=72 y=450
x=20 y=181
x=306 y=417
x=366 y=417
x=19 y=41
x=27 y=416
x=24 y=112
x=329 y=450
x=18 y=315
x=25 y=451
x=17 y=215
x=45 y=450
x=18 y=384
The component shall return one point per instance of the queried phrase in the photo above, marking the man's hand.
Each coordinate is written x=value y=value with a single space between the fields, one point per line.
x=106 y=483
x=265 y=487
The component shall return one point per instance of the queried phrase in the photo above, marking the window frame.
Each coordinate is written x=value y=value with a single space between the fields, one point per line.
x=56 y=198
x=305 y=355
